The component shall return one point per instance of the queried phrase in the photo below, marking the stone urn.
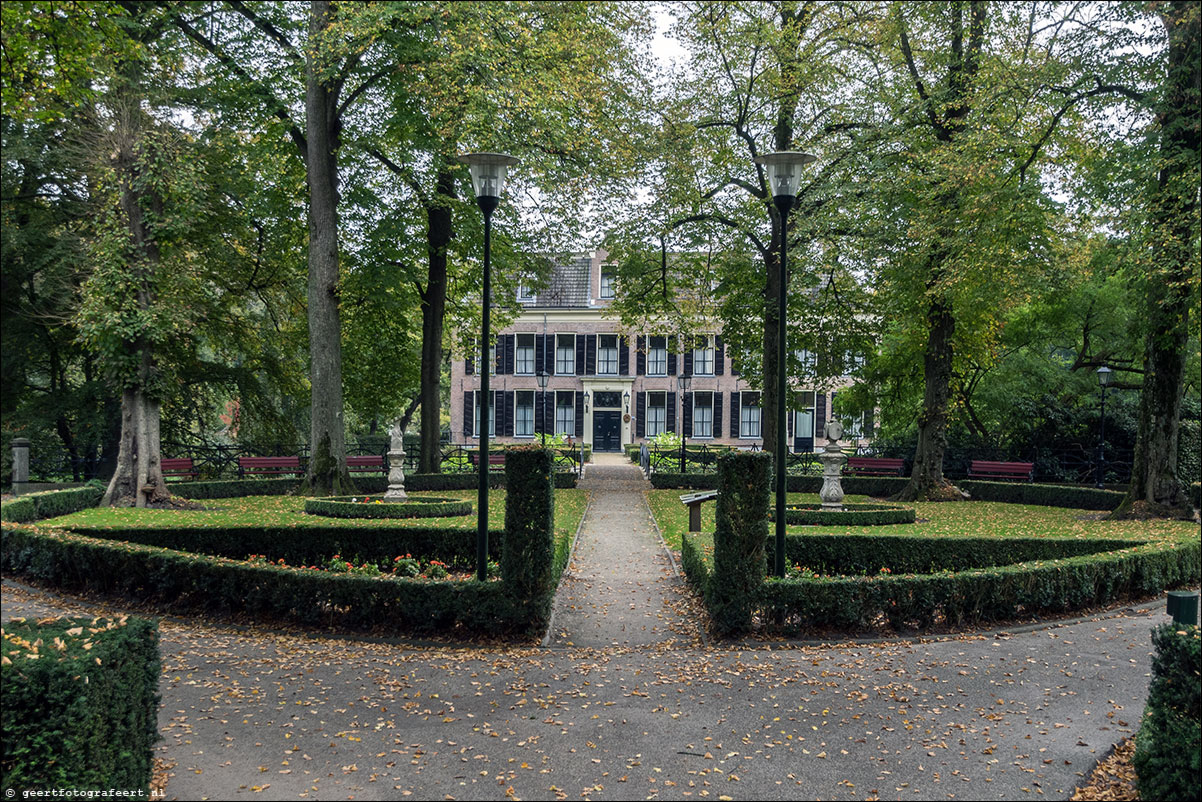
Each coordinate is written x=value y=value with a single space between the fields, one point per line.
x=396 y=462
x=833 y=459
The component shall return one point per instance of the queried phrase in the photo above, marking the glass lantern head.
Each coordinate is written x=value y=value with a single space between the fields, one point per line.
x=489 y=172
x=784 y=171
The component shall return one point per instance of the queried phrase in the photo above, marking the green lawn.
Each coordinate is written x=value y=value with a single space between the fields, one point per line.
x=967 y=519
x=289 y=511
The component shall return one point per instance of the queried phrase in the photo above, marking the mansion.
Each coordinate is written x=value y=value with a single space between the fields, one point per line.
x=612 y=388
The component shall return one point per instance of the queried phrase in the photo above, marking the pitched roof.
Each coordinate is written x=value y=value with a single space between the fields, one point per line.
x=568 y=287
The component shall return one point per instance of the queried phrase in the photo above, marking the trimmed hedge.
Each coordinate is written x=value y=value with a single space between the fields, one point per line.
x=50 y=504
x=528 y=558
x=850 y=515
x=1168 y=747
x=852 y=485
x=423 y=507
x=740 y=533
x=965 y=580
x=308 y=545
x=1071 y=496
x=416 y=483
x=80 y=704
x=1195 y=494
x=983 y=594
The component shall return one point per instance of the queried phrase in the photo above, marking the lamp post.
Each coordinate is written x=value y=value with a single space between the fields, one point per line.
x=489 y=171
x=1104 y=375
x=784 y=176
x=542 y=388
x=683 y=381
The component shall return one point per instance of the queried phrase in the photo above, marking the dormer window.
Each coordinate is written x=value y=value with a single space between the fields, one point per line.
x=608 y=283
x=525 y=293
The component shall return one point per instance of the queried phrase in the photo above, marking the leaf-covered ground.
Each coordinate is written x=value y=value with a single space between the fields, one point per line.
x=289 y=511
x=967 y=519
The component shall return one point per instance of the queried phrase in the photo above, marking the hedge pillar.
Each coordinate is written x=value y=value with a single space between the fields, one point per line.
x=528 y=549
x=744 y=482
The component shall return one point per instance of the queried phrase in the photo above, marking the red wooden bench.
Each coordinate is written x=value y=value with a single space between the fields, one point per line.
x=179 y=467
x=496 y=462
x=876 y=466
x=369 y=464
x=268 y=466
x=986 y=469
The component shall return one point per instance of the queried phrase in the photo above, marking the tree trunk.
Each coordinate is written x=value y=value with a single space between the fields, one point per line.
x=1155 y=489
x=926 y=480
x=439 y=233
x=327 y=472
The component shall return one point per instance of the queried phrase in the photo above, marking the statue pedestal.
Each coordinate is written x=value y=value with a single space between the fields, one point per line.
x=831 y=494
x=396 y=470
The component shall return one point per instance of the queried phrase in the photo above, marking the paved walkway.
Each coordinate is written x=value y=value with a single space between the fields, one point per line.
x=626 y=703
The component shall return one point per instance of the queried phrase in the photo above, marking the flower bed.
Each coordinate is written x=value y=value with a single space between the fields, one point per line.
x=377 y=507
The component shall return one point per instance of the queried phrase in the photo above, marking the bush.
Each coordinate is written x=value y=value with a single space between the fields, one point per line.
x=51 y=504
x=234 y=488
x=527 y=560
x=423 y=507
x=308 y=545
x=850 y=515
x=740 y=531
x=1195 y=494
x=1072 y=496
x=1168 y=748
x=417 y=482
x=80 y=704
x=878 y=486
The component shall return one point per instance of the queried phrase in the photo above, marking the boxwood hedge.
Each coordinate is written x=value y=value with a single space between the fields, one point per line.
x=1168 y=747
x=423 y=507
x=850 y=515
x=50 y=504
x=1072 y=496
x=80 y=706
x=971 y=580
x=417 y=482
x=852 y=485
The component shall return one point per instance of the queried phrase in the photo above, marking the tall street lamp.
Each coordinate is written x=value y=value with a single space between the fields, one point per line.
x=542 y=388
x=784 y=176
x=489 y=171
x=683 y=381
x=1104 y=375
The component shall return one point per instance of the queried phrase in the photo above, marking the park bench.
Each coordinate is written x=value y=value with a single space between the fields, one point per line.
x=875 y=466
x=496 y=462
x=986 y=469
x=268 y=466
x=366 y=464
x=694 y=501
x=179 y=467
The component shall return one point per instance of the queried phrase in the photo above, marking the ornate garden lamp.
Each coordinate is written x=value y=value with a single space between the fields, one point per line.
x=683 y=381
x=489 y=171
x=784 y=176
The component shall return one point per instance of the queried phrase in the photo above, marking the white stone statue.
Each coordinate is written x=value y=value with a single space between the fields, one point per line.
x=833 y=458
x=396 y=463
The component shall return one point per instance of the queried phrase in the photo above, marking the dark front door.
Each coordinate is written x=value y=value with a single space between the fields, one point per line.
x=607 y=432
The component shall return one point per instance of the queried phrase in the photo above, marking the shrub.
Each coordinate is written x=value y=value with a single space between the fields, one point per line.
x=80 y=704
x=51 y=503
x=740 y=531
x=850 y=515
x=528 y=557
x=424 y=507
x=234 y=488
x=1168 y=748
x=852 y=485
x=1072 y=496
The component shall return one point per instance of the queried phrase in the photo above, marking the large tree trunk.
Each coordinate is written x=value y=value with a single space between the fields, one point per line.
x=327 y=473
x=439 y=233
x=926 y=479
x=138 y=479
x=1155 y=489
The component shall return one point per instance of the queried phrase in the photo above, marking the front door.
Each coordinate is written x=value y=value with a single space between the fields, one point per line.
x=607 y=431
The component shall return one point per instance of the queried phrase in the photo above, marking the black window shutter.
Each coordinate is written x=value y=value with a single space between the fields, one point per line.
x=820 y=414
x=688 y=362
x=640 y=356
x=579 y=412
x=868 y=423
x=672 y=356
x=687 y=423
x=540 y=401
x=623 y=356
x=540 y=352
x=505 y=425
x=717 y=428
x=671 y=412
x=509 y=359
x=719 y=356
x=736 y=414
x=790 y=417
x=469 y=412
x=640 y=412
x=579 y=367
x=469 y=364
x=590 y=354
